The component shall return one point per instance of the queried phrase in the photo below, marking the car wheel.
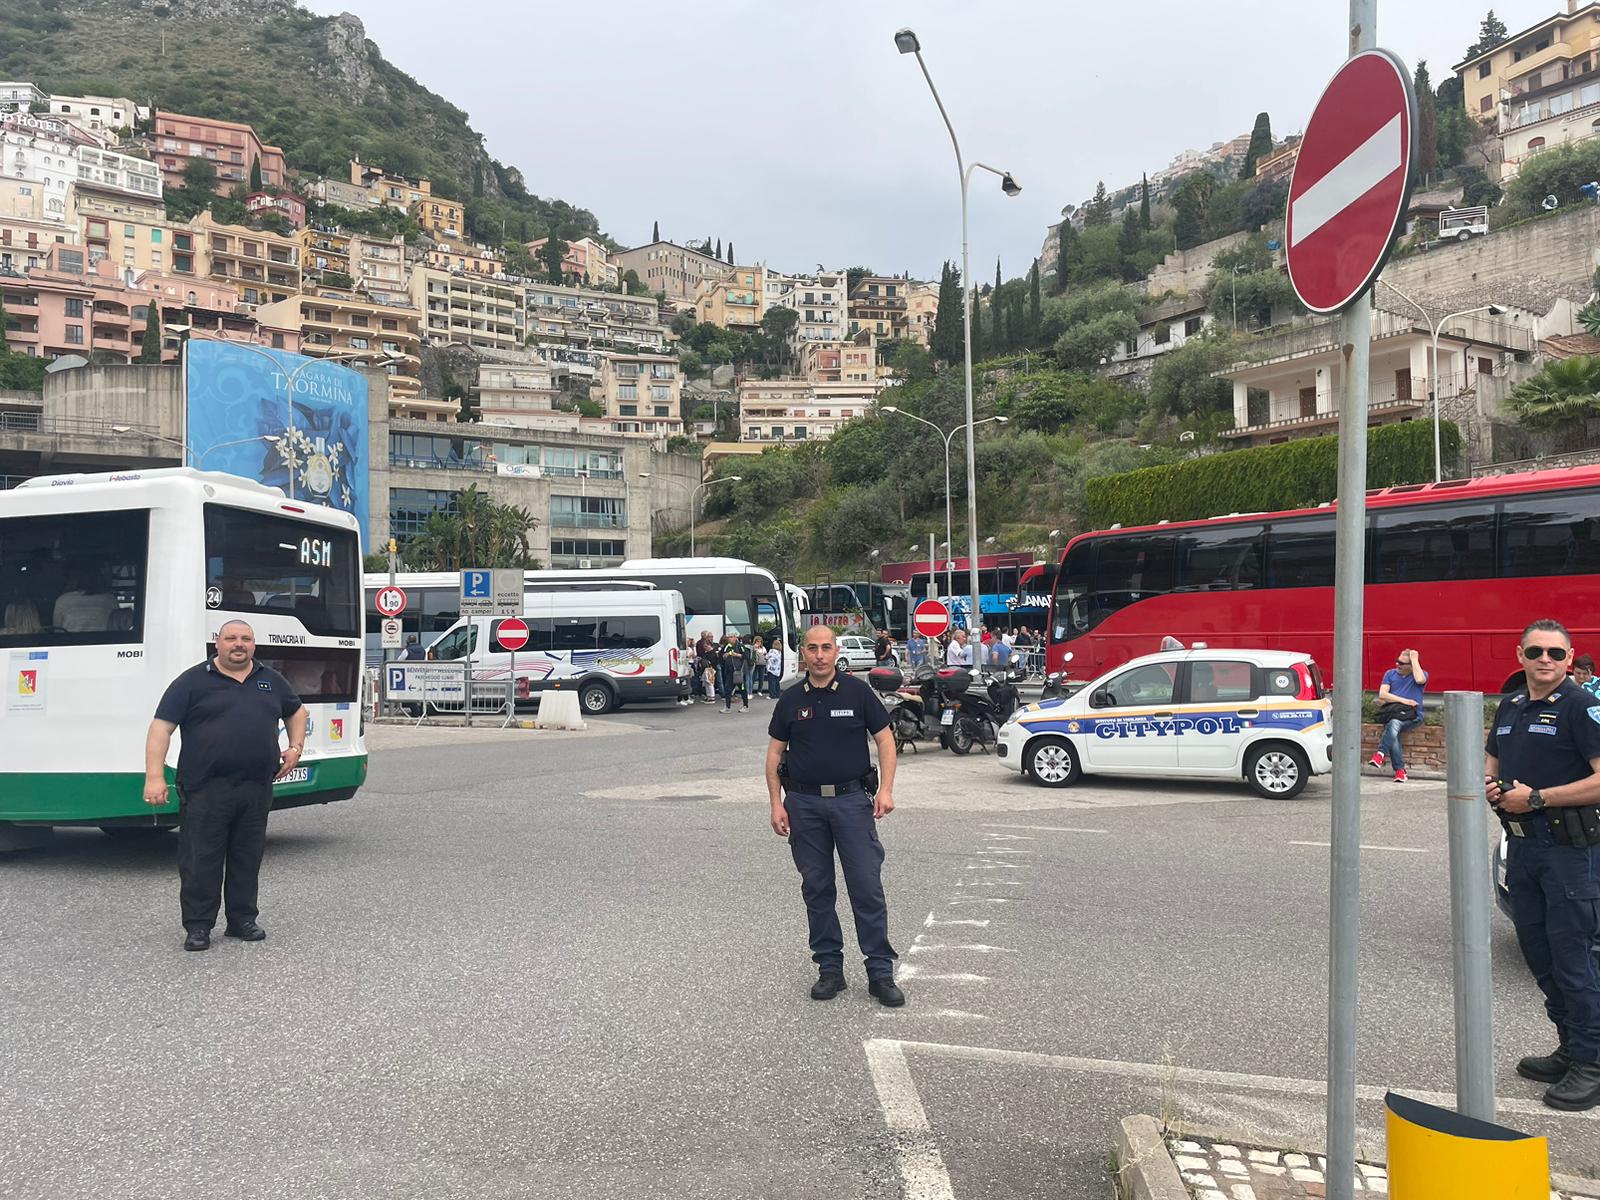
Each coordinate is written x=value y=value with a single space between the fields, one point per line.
x=595 y=699
x=1463 y=236
x=1277 y=771
x=1051 y=762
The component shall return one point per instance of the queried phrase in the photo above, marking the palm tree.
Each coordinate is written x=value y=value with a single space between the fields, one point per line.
x=478 y=533
x=1562 y=397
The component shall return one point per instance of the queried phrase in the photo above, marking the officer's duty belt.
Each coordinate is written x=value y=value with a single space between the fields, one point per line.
x=823 y=789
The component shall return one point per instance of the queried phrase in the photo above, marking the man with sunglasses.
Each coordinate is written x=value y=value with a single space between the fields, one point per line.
x=1543 y=779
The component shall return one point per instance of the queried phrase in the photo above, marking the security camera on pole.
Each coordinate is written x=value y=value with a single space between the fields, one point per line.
x=1347 y=200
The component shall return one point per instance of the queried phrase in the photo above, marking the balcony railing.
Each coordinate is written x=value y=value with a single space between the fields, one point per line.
x=433 y=463
x=588 y=520
x=1375 y=408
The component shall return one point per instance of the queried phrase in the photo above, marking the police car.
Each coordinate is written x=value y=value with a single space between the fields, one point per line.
x=1259 y=715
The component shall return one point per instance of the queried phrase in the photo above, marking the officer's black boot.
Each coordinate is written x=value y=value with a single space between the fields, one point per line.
x=828 y=985
x=1546 y=1068
x=1579 y=1088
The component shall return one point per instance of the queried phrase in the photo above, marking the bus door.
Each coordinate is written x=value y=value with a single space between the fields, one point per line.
x=1125 y=732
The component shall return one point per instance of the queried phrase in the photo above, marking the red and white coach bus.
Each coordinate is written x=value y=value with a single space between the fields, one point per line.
x=1454 y=570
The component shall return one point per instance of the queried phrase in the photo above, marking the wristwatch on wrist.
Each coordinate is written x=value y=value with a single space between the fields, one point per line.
x=1536 y=800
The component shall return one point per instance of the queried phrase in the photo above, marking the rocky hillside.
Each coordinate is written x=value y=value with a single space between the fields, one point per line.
x=314 y=85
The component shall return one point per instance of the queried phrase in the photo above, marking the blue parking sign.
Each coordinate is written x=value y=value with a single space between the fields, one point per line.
x=477 y=585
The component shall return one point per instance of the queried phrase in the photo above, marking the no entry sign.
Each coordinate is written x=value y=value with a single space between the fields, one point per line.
x=930 y=618
x=513 y=633
x=1351 y=181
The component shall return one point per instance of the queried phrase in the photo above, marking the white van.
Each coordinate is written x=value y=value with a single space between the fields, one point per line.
x=612 y=647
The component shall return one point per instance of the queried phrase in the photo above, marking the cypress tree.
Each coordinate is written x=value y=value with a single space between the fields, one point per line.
x=718 y=254
x=997 y=304
x=1066 y=253
x=1034 y=320
x=1144 y=202
x=150 y=347
x=1016 y=321
x=655 y=231
x=731 y=259
x=1260 y=145
x=255 y=174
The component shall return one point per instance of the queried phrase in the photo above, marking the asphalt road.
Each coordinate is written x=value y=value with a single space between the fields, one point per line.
x=535 y=965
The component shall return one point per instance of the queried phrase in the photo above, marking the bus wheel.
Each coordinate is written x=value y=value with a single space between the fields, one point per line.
x=595 y=698
x=1277 y=771
x=135 y=833
x=1051 y=762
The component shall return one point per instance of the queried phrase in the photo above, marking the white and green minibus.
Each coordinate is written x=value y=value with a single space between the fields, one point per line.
x=112 y=584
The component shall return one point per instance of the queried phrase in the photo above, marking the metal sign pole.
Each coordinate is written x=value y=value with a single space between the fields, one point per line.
x=1349 y=584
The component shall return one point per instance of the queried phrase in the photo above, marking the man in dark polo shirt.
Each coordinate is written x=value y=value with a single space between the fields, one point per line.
x=820 y=802
x=228 y=708
x=1543 y=779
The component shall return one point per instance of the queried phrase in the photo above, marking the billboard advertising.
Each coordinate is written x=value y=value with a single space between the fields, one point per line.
x=241 y=420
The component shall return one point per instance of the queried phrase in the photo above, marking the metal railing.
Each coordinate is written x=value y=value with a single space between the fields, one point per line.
x=589 y=520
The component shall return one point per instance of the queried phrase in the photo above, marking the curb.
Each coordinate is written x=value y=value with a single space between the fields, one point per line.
x=1145 y=1170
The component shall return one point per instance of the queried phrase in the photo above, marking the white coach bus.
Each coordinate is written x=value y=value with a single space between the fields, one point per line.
x=113 y=584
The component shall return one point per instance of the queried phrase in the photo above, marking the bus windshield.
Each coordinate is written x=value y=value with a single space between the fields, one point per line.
x=257 y=562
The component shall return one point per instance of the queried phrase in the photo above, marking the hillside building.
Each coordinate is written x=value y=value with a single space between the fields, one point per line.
x=234 y=148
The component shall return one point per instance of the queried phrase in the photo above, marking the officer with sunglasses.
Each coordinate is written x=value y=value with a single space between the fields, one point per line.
x=1543 y=779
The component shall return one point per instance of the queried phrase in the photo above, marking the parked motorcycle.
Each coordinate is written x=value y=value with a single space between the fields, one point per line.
x=1056 y=684
x=980 y=715
x=924 y=708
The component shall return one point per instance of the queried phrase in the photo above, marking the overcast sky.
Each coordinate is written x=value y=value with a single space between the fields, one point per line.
x=805 y=138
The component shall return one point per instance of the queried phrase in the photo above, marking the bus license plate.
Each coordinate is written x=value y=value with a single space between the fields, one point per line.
x=298 y=775
x=948 y=717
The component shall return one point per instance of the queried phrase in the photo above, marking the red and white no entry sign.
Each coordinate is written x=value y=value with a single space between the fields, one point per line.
x=1351 y=181
x=390 y=601
x=931 y=618
x=513 y=633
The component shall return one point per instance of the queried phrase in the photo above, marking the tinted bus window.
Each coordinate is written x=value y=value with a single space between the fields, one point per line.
x=73 y=579
x=1071 y=609
x=1300 y=553
x=1440 y=541
x=256 y=562
x=1221 y=558
x=629 y=633
x=318 y=674
x=1132 y=568
x=702 y=594
x=1550 y=535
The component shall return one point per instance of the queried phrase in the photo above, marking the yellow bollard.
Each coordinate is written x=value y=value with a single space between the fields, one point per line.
x=1437 y=1154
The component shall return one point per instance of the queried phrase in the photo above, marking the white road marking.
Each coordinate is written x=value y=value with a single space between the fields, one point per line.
x=979 y=900
x=1396 y=849
x=955 y=921
x=986 y=850
x=915 y=972
x=1368 y=165
x=1010 y=837
x=947 y=1014
x=996 y=866
x=975 y=947
x=1047 y=829
x=922 y=1170
x=988 y=883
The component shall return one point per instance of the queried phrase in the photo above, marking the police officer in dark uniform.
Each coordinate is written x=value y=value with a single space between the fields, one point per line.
x=228 y=708
x=1543 y=778
x=818 y=779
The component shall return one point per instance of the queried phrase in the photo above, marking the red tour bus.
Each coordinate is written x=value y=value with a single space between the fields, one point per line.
x=1454 y=569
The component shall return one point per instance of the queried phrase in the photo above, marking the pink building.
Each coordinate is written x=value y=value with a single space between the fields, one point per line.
x=288 y=206
x=211 y=310
x=231 y=146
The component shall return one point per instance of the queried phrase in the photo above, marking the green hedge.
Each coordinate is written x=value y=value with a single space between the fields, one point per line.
x=1295 y=474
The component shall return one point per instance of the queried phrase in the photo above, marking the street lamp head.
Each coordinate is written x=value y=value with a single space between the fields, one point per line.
x=905 y=41
x=122 y=429
x=890 y=408
x=1004 y=420
x=1054 y=534
x=177 y=328
x=734 y=478
x=1496 y=310
x=1009 y=185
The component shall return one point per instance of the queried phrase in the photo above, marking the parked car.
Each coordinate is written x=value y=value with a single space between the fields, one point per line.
x=1257 y=715
x=855 y=652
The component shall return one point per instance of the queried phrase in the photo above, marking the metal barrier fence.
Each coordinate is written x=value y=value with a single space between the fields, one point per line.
x=445 y=689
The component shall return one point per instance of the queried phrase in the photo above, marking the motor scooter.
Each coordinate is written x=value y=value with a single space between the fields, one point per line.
x=926 y=706
x=979 y=715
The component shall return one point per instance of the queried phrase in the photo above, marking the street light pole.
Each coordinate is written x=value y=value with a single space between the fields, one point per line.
x=694 y=497
x=907 y=43
x=1436 y=327
x=948 y=535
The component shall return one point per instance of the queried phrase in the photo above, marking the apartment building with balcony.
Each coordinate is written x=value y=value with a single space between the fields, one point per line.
x=210 y=310
x=441 y=219
x=99 y=115
x=797 y=410
x=670 y=269
x=468 y=310
x=20 y=95
x=839 y=362
x=1293 y=384
x=118 y=175
x=922 y=310
x=641 y=394
x=69 y=305
x=878 y=305
x=282 y=204
x=132 y=237
x=581 y=318
x=736 y=301
x=338 y=322
x=40 y=156
x=584 y=263
x=819 y=301
x=1164 y=328
x=264 y=266
x=524 y=395
x=461 y=259
x=26 y=241
x=231 y=146
x=1541 y=87
x=386 y=189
